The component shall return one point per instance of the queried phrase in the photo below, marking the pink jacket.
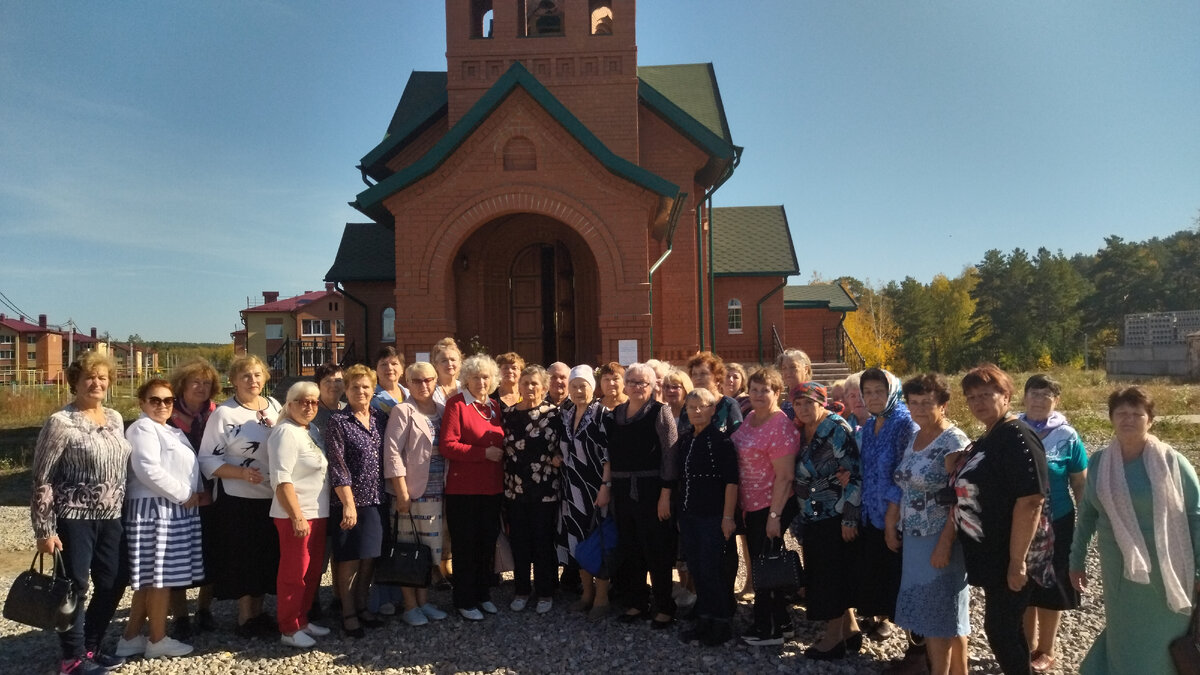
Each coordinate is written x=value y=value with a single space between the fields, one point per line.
x=407 y=448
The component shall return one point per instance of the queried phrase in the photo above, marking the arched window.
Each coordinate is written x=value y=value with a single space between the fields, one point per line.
x=389 y=325
x=602 y=16
x=481 y=18
x=520 y=154
x=543 y=17
x=735 y=316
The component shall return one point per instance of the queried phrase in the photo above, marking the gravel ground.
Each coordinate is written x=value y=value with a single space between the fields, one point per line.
x=558 y=642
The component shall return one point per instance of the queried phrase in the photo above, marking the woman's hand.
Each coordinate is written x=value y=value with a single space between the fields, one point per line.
x=849 y=533
x=1017 y=577
x=843 y=477
x=728 y=526
x=300 y=527
x=493 y=454
x=349 y=517
x=1079 y=580
x=941 y=555
x=664 y=506
x=403 y=504
x=773 y=528
x=891 y=536
x=556 y=461
x=49 y=544
x=251 y=475
x=193 y=501
x=603 y=496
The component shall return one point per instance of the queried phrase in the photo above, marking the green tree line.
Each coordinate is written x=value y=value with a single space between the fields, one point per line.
x=1035 y=310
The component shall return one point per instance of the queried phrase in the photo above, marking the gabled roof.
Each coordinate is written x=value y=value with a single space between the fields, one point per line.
x=752 y=241
x=370 y=201
x=424 y=100
x=688 y=97
x=828 y=296
x=21 y=326
x=367 y=252
x=293 y=303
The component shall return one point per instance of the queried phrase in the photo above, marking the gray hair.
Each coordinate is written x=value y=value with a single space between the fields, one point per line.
x=796 y=355
x=301 y=389
x=703 y=395
x=646 y=372
x=478 y=364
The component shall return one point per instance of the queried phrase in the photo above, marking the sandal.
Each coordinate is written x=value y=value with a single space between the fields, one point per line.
x=357 y=631
x=1041 y=662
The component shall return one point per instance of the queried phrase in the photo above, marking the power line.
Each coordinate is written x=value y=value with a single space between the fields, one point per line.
x=12 y=305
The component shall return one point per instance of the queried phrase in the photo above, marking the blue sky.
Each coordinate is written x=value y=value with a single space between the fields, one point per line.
x=160 y=162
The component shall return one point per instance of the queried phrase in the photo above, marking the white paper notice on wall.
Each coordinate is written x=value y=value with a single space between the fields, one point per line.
x=423 y=356
x=626 y=352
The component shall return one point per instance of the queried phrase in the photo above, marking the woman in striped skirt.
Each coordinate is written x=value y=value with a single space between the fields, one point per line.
x=162 y=522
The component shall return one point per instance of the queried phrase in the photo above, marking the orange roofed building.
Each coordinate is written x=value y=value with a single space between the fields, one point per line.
x=549 y=195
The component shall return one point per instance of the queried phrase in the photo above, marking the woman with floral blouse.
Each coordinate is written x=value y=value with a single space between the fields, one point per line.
x=531 y=488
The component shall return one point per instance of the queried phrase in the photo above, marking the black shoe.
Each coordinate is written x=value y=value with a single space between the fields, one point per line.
x=370 y=621
x=356 y=632
x=105 y=661
x=719 y=633
x=787 y=630
x=836 y=652
x=854 y=643
x=247 y=631
x=698 y=632
x=205 y=621
x=443 y=584
x=182 y=629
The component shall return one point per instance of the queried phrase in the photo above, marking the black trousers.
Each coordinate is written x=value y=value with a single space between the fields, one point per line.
x=95 y=548
x=878 y=574
x=1003 y=612
x=474 y=522
x=645 y=544
x=712 y=562
x=531 y=531
x=770 y=607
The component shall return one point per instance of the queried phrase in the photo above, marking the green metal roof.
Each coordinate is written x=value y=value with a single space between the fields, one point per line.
x=367 y=252
x=752 y=241
x=692 y=87
x=370 y=201
x=829 y=296
x=423 y=101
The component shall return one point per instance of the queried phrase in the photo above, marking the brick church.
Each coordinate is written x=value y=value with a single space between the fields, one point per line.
x=547 y=194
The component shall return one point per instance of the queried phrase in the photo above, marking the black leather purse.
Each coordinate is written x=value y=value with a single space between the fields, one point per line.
x=407 y=563
x=43 y=600
x=777 y=567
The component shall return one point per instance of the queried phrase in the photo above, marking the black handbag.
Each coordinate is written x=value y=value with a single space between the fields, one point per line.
x=1185 y=649
x=43 y=600
x=406 y=563
x=777 y=567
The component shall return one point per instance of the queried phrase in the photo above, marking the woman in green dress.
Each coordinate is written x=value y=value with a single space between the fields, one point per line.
x=1143 y=503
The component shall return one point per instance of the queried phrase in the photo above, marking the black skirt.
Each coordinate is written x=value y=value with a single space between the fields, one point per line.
x=829 y=567
x=245 y=547
x=364 y=541
x=1061 y=595
x=878 y=576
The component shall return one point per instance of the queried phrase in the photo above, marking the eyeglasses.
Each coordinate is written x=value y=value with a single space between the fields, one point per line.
x=1040 y=394
x=167 y=401
x=306 y=403
x=422 y=380
x=699 y=408
x=637 y=383
x=673 y=387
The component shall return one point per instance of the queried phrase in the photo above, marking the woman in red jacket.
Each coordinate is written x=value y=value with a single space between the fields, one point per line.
x=472 y=442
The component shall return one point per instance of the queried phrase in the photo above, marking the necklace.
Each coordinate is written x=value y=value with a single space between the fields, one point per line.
x=479 y=409
x=257 y=399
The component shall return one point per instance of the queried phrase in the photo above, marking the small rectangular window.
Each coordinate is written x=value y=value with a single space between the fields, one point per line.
x=339 y=327
x=7 y=355
x=7 y=339
x=274 y=331
x=735 y=317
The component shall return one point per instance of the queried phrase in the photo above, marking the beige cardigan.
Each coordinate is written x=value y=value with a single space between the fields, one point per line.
x=408 y=447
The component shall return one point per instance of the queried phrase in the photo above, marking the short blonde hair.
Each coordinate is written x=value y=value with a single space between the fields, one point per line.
x=357 y=371
x=417 y=369
x=479 y=363
x=197 y=368
x=510 y=358
x=302 y=388
x=737 y=368
x=245 y=362
x=677 y=376
x=87 y=364
x=443 y=347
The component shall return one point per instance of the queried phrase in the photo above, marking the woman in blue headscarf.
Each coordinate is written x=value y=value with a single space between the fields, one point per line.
x=883 y=438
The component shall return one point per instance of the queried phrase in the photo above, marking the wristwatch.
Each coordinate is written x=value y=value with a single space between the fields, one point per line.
x=774 y=515
x=607 y=483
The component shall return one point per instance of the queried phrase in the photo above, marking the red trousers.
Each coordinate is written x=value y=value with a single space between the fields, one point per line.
x=300 y=564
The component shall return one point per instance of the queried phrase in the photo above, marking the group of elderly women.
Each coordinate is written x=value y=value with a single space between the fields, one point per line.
x=897 y=511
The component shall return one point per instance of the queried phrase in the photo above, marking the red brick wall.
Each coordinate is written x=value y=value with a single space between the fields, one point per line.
x=805 y=330
x=365 y=340
x=743 y=348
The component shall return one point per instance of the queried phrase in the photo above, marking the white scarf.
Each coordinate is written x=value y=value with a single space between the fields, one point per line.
x=1172 y=539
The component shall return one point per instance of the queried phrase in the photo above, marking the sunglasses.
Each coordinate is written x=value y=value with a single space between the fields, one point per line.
x=165 y=400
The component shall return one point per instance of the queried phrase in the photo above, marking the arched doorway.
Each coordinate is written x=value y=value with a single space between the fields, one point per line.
x=528 y=283
x=542 y=303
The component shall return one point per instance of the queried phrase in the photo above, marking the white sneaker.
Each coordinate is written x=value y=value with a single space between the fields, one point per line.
x=518 y=603
x=131 y=647
x=489 y=607
x=544 y=605
x=298 y=639
x=430 y=610
x=315 y=630
x=471 y=614
x=387 y=609
x=415 y=617
x=168 y=646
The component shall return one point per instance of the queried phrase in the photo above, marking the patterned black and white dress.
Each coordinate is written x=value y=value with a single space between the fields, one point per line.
x=584 y=452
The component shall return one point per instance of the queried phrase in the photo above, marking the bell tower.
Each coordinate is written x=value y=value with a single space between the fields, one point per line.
x=583 y=51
